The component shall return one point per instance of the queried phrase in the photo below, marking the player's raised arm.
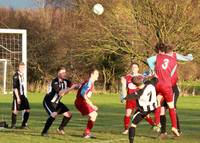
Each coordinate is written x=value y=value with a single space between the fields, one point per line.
x=151 y=62
x=183 y=58
x=179 y=57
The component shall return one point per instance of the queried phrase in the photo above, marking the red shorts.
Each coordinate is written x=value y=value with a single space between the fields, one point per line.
x=83 y=107
x=130 y=104
x=165 y=91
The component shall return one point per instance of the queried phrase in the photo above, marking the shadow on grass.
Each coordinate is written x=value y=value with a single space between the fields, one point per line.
x=110 y=120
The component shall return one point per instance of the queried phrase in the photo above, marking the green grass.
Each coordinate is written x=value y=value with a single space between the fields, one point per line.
x=108 y=127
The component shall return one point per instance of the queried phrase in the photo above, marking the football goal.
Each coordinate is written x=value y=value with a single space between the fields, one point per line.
x=13 y=50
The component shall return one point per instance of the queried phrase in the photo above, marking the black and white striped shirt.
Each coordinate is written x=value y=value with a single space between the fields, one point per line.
x=18 y=83
x=54 y=89
x=146 y=97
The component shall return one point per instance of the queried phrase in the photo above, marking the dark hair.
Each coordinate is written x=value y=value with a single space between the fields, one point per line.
x=160 y=47
x=91 y=70
x=60 y=68
x=138 y=80
x=169 y=48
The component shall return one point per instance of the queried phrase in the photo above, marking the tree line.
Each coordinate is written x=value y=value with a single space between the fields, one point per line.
x=70 y=34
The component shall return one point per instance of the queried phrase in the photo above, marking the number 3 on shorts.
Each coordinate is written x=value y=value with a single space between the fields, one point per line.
x=165 y=64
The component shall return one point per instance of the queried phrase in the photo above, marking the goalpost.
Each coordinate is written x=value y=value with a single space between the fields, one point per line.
x=13 y=50
x=4 y=61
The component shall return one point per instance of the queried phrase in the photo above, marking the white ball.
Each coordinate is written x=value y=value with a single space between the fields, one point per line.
x=98 y=9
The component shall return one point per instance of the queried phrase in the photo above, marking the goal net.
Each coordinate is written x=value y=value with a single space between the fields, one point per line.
x=13 y=50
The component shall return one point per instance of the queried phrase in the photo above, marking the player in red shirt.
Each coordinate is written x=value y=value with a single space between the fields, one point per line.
x=84 y=104
x=129 y=88
x=174 y=79
x=164 y=66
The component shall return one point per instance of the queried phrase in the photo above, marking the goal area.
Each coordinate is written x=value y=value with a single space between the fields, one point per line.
x=13 y=50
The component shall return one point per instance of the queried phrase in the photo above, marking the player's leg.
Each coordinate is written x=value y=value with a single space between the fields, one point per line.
x=15 y=110
x=163 y=122
x=137 y=117
x=176 y=95
x=130 y=106
x=67 y=115
x=149 y=120
x=25 y=105
x=157 y=112
x=52 y=115
x=127 y=119
x=160 y=99
x=172 y=112
x=91 y=120
x=86 y=109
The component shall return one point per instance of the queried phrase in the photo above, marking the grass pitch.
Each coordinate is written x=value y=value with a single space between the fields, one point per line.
x=108 y=127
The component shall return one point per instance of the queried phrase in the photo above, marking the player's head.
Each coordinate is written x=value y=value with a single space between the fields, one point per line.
x=21 y=67
x=61 y=72
x=169 y=48
x=160 y=48
x=94 y=74
x=135 y=68
x=138 y=80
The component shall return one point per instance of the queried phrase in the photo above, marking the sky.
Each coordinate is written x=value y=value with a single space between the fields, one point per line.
x=18 y=4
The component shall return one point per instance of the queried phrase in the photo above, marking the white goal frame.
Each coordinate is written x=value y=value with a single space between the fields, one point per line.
x=4 y=61
x=23 y=32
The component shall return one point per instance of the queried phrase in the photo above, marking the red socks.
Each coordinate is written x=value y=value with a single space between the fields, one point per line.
x=172 y=114
x=126 y=122
x=149 y=120
x=90 y=125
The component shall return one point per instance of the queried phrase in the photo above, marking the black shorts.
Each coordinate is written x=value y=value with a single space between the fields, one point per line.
x=23 y=106
x=139 y=116
x=50 y=107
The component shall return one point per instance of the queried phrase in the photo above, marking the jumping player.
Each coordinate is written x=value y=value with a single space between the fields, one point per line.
x=164 y=66
x=84 y=104
x=174 y=79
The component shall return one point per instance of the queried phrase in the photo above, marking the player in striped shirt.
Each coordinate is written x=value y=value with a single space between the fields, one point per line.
x=146 y=101
x=60 y=86
x=20 y=101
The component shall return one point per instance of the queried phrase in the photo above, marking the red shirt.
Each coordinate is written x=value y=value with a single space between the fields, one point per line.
x=164 y=66
x=174 y=77
x=85 y=88
x=131 y=88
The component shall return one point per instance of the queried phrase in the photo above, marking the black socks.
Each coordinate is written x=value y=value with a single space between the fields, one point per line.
x=48 y=124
